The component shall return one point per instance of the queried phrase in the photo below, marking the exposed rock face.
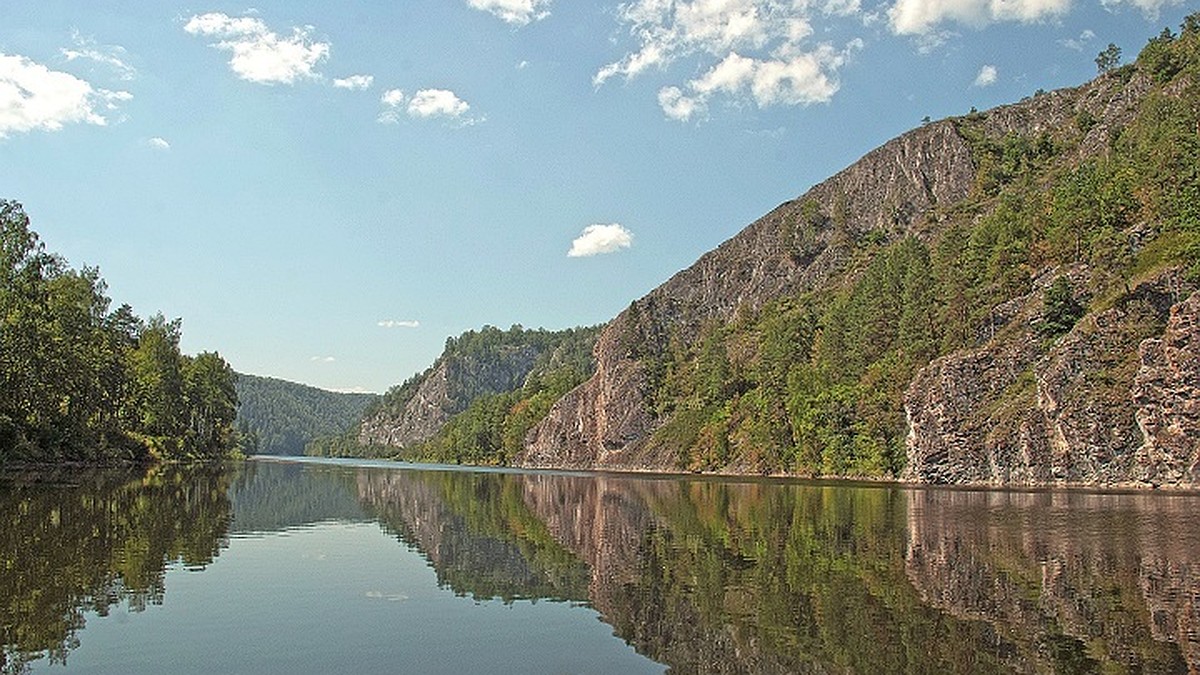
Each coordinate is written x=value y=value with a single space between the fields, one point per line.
x=1012 y=412
x=1167 y=393
x=798 y=246
x=445 y=390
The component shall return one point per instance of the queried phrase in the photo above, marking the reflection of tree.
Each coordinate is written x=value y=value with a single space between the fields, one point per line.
x=81 y=542
x=712 y=576
x=273 y=496
x=476 y=532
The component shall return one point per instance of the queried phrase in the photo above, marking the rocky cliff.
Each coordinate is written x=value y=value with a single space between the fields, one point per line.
x=1113 y=401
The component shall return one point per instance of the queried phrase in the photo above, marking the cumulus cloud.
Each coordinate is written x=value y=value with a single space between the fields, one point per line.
x=600 y=238
x=259 y=54
x=112 y=56
x=518 y=12
x=758 y=51
x=158 y=143
x=426 y=104
x=437 y=103
x=34 y=97
x=393 y=104
x=399 y=323
x=354 y=82
x=920 y=17
x=986 y=76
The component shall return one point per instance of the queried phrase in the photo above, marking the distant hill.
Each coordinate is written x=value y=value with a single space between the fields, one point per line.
x=284 y=416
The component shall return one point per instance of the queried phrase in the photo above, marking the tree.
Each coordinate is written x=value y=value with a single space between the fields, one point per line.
x=1109 y=59
x=1060 y=311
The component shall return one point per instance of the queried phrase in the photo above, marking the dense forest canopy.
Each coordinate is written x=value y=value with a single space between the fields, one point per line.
x=277 y=417
x=80 y=381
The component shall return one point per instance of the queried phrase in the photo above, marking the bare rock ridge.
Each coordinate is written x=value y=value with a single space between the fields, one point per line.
x=1007 y=410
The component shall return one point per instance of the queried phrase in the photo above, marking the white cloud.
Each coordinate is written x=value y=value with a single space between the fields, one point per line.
x=437 y=103
x=678 y=107
x=1080 y=42
x=259 y=54
x=158 y=143
x=112 y=56
x=756 y=50
x=600 y=238
x=919 y=17
x=519 y=12
x=393 y=102
x=986 y=76
x=322 y=359
x=1150 y=8
x=355 y=82
x=34 y=97
x=399 y=323
x=426 y=104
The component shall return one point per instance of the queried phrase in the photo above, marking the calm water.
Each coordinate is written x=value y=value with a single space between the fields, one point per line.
x=335 y=567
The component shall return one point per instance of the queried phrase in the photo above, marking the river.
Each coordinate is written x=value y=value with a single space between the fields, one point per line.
x=333 y=566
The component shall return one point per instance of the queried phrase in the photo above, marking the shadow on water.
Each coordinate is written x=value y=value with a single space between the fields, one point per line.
x=700 y=575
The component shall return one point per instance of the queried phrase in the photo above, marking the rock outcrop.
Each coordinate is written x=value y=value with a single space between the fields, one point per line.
x=1167 y=394
x=1013 y=412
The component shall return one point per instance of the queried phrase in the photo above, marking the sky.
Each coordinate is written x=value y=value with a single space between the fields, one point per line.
x=324 y=192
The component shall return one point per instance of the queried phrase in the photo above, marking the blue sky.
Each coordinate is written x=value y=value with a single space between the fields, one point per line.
x=325 y=192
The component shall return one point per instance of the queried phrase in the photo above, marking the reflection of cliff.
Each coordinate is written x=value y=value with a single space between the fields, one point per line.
x=1072 y=580
x=99 y=540
x=711 y=576
x=475 y=531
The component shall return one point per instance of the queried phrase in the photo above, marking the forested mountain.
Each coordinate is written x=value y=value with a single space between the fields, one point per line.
x=80 y=381
x=1004 y=297
x=280 y=417
x=477 y=400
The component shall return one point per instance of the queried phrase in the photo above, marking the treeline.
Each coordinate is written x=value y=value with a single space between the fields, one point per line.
x=814 y=384
x=276 y=417
x=80 y=381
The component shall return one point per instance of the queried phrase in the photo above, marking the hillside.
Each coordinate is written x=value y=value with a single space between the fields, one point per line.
x=1005 y=298
x=456 y=409
x=282 y=417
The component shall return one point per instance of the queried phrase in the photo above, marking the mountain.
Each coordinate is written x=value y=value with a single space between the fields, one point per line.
x=1006 y=297
x=283 y=417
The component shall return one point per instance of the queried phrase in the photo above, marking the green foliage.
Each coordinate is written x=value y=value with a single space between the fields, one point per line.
x=283 y=417
x=1109 y=59
x=81 y=382
x=1061 y=310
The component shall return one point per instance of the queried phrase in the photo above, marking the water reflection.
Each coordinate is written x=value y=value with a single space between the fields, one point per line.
x=701 y=575
x=75 y=543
